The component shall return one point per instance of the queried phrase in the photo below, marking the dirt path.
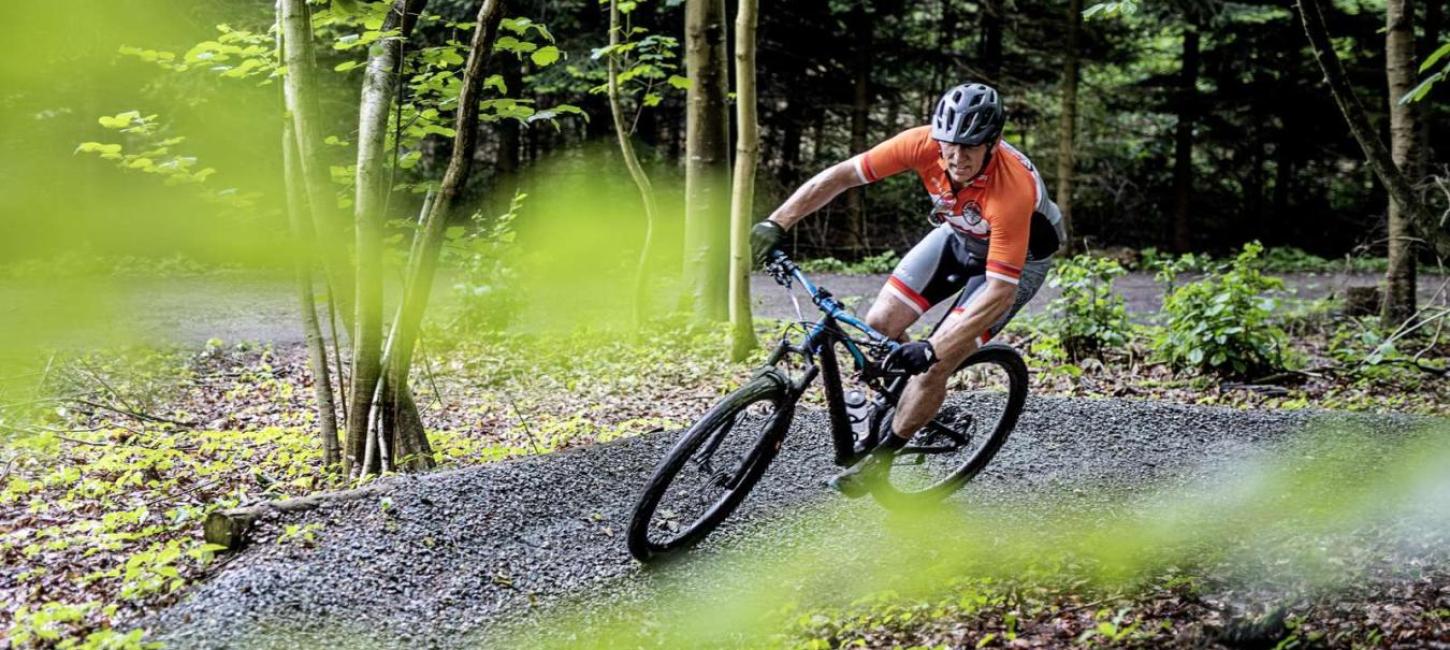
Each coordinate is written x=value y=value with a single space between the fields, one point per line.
x=452 y=555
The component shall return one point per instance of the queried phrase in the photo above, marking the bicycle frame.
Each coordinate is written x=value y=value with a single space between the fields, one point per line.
x=819 y=353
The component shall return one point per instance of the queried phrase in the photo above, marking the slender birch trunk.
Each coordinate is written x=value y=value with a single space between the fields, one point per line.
x=299 y=220
x=300 y=90
x=636 y=172
x=409 y=441
x=742 y=195
x=372 y=189
x=1400 y=64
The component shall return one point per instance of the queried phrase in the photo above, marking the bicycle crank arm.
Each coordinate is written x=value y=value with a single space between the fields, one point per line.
x=927 y=449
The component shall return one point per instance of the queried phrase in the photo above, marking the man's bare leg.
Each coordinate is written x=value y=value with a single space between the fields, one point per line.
x=925 y=393
x=890 y=316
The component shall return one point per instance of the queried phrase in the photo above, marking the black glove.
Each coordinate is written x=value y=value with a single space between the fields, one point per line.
x=912 y=358
x=764 y=237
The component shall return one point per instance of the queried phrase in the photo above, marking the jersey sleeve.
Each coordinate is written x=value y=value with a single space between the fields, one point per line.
x=1011 y=219
x=908 y=150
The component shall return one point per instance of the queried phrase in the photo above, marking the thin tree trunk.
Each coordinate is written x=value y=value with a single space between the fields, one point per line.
x=742 y=196
x=636 y=172
x=509 y=130
x=409 y=439
x=991 y=41
x=1401 y=190
x=854 y=234
x=1067 y=129
x=790 y=146
x=299 y=89
x=707 y=165
x=299 y=219
x=372 y=190
x=1183 y=141
x=1434 y=14
x=1400 y=64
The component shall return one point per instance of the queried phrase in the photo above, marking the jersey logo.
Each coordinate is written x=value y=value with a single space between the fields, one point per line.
x=972 y=213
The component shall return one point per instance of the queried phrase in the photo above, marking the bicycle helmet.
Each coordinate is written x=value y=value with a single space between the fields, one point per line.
x=970 y=114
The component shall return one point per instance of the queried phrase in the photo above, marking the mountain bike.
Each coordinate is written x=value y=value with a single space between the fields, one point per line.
x=718 y=460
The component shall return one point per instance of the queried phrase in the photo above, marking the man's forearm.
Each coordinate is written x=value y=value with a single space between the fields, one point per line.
x=812 y=196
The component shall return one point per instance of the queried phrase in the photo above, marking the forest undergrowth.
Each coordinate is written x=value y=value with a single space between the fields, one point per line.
x=106 y=483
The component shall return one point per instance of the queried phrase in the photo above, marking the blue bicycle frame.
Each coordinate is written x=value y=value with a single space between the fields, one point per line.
x=818 y=351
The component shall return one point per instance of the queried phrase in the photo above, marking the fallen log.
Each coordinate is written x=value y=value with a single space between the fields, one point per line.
x=229 y=528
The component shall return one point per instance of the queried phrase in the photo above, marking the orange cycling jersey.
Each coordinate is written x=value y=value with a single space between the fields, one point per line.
x=995 y=209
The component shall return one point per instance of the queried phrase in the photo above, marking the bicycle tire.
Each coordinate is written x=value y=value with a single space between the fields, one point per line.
x=766 y=386
x=1015 y=369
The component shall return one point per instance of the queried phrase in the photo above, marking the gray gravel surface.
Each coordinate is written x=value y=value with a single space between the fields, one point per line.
x=254 y=307
x=453 y=554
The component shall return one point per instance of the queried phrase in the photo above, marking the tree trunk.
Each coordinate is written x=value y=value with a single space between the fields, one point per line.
x=1433 y=16
x=299 y=91
x=707 y=164
x=790 y=145
x=1183 y=141
x=1401 y=190
x=990 y=46
x=854 y=234
x=508 y=131
x=299 y=220
x=1400 y=64
x=372 y=191
x=636 y=172
x=410 y=442
x=742 y=196
x=1067 y=129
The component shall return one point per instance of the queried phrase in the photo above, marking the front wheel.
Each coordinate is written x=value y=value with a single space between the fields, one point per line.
x=711 y=469
x=985 y=397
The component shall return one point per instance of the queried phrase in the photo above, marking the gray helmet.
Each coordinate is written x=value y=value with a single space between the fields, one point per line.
x=970 y=114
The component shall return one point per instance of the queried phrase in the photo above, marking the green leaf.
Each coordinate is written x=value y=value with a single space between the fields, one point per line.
x=545 y=56
x=120 y=120
x=1419 y=92
x=681 y=83
x=345 y=7
x=349 y=65
x=1435 y=57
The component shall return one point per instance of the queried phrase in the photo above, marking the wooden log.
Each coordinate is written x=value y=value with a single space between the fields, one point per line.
x=230 y=528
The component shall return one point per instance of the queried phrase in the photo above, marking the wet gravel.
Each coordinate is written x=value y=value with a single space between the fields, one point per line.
x=441 y=560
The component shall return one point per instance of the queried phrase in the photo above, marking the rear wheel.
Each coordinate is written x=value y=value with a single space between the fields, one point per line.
x=984 y=399
x=711 y=469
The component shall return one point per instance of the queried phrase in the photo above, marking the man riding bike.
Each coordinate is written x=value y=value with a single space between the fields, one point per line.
x=997 y=230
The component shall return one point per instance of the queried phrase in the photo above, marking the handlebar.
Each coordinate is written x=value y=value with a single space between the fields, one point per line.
x=786 y=273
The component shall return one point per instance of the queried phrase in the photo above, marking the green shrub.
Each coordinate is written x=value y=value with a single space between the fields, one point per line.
x=1088 y=316
x=486 y=257
x=1223 y=322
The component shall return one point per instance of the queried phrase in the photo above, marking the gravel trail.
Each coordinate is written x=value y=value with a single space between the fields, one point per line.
x=453 y=554
x=254 y=307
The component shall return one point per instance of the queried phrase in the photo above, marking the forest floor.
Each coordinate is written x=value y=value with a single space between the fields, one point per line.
x=530 y=552
x=100 y=509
